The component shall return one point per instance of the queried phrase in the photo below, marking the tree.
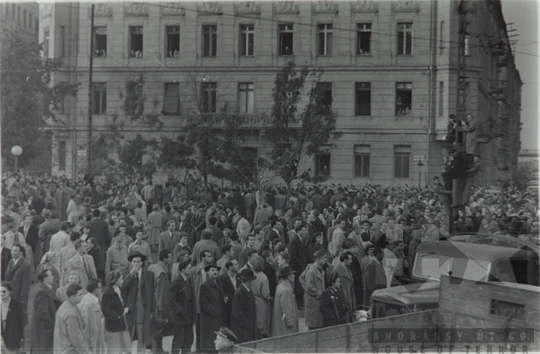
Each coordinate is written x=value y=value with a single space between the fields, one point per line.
x=28 y=99
x=296 y=134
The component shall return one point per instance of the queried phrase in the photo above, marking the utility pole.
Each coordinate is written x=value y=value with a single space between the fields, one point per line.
x=90 y=93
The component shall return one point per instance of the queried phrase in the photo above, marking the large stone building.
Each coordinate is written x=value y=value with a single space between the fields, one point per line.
x=390 y=66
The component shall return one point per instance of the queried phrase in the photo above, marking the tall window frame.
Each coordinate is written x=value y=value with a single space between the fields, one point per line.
x=209 y=38
x=404 y=96
x=363 y=99
x=246 y=97
x=325 y=42
x=99 y=98
x=363 y=39
x=402 y=161
x=404 y=38
x=247 y=40
x=322 y=160
x=208 y=97
x=100 y=41
x=362 y=154
x=46 y=39
x=136 y=37
x=326 y=88
x=171 y=98
x=61 y=155
x=172 y=36
x=286 y=39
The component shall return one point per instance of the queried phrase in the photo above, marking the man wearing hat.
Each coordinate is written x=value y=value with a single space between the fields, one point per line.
x=139 y=292
x=244 y=322
x=211 y=300
x=225 y=340
x=285 y=313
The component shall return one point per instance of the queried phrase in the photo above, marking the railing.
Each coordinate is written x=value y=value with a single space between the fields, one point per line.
x=219 y=119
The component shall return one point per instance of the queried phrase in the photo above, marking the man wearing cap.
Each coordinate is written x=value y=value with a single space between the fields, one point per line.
x=244 y=322
x=285 y=313
x=225 y=340
x=138 y=294
x=211 y=300
x=181 y=302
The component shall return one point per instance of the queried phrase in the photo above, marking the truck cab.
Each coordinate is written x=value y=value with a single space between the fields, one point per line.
x=480 y=258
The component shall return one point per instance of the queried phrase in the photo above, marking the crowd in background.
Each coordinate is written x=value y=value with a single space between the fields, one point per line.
x=119 y=262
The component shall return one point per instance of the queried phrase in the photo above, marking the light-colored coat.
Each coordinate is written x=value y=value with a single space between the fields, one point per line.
x=153 y=223
x=68 y=331
x=76 y=264
x=312 y=295
x=94 y=325
x=261 y=293
x=285 y=313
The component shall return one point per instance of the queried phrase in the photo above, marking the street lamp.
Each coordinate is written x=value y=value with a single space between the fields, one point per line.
x=16 y=151
x=420 y=164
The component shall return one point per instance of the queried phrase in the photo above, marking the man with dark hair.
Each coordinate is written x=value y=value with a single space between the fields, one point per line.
x=181 y=302
x=299 y=259
x=235 y=243
x=19 y=273
x=198 y=276
x=45 y=305
x=211 y=300
x=243 y=317
x=30 y=231
x=216 y=232
x=100 y=230
x=315 y=285
x=65 y=255
x=69 y=325
x=277 y=229
x=230 y=280
x=342 y=270
x=82 y=263
x=169 y=238
x=227 y=255
x=162 y=281
x=205 y=244
x=138 y=291
x=375 y=276
x=250 y=257
x=90 y=307
x=48 y=228
x=247 y=251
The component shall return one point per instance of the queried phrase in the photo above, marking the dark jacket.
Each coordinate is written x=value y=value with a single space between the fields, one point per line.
x=212 y=306
x=113 y=310
x=181 y=301
x=100 y=230
x=5 y=258
x=45 y=305
x=244 y=322
x=20 y=277
x=13 y=328
x=270 y=273
x=31 y=237
x=129 y=293
x=333 y=307
x=228 y=291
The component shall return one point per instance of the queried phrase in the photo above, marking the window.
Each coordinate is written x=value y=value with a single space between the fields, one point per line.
x=466 y=39
x=247 y=35
x=403 y=98
x=322 y=164
x=208 y=94
x=326 y=88
x=245 y=97
x=24 y=18
x=46 y=36
x=173 y=41
x=325 y=39
x=441 y=98
x=441 y=37
x=171 y=101
x=363 y=39
x=100 y=41
x=402 y=156
x=99 y=99
x=404 y=39
x=61 y=156
x=286 y=39
x=18 y=14
x=136 y=42
x=29 y=21
x=361 y=160
x=209 y=41
x=62 y=41
x=363 y=99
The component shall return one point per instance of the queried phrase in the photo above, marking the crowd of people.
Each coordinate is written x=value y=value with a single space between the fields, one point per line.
x=114 y=263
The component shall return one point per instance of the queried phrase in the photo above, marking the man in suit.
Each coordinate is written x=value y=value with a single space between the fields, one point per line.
x=138 y=294
x=19 y=273
x=82 y=263
x=168 y=239
x=13 y=323
x=185 y=226
x=244 y=322
x=211 y=299
x=230 y=281
x=181 y=302
x=5 y=256
x=30 y=230
x=45 y=305
x=277 y=230
x=299 y=257
x=375 y=276
x=100 y=230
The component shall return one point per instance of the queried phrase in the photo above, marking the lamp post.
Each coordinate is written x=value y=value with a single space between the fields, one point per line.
x=16 y=151
x=420 y=164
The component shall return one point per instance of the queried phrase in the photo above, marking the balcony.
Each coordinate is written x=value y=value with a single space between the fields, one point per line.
x=255 y=120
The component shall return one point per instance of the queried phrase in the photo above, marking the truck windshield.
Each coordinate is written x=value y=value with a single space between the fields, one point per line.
x=431 y=266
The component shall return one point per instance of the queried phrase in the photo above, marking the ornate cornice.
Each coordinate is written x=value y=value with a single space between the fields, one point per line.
x=103 y=9
x=209 y=8
x=405 y=6
x=364 y=6
x=173 y=9
x=247 y=8
x=135 y=9
x=324 y=7
x=286 y=7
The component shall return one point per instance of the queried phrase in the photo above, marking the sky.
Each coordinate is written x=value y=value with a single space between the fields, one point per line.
x=524 y=16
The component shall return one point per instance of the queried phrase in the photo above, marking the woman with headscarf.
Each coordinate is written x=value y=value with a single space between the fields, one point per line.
x=114 y=311
x=48 y=262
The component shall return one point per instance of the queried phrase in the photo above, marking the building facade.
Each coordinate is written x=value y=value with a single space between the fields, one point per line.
x=390 y=67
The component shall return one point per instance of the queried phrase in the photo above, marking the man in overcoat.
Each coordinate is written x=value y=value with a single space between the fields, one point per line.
x=342 y=269
x=45 y=306
x=69 y=325
x=315 y=285
x=230 y=281
x=285 y=312
x=181 y=302
x=19 y=273
x=244 y=322
x=211 y=299
x=138 y=294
